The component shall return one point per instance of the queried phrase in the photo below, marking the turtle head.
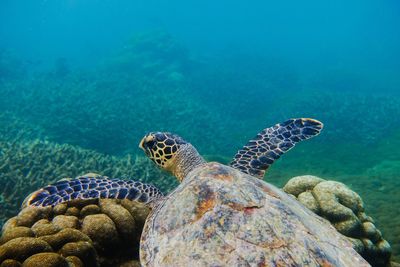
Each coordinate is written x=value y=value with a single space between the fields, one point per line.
x=161 y=148
x=171 y=152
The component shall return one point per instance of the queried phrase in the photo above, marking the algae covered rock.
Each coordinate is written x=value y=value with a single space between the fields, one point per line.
x=344 y=209
x=100 y=233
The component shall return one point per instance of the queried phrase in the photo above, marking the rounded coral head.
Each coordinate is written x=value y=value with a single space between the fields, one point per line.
x=161 y=147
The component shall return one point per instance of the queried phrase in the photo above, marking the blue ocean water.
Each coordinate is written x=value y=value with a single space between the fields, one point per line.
x=98 y=75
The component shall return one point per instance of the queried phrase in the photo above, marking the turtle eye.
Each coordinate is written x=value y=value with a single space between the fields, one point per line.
x=150 y=144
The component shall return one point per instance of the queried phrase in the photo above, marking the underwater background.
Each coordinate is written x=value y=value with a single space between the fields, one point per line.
x=81 y=82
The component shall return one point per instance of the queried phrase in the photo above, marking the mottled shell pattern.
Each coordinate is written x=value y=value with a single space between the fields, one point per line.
x=219 y=216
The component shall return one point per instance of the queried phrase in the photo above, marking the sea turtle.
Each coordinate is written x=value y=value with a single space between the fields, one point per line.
x=221 y=215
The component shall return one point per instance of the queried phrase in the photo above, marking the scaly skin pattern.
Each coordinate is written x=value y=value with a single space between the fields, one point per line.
x=219 y=216
x=271 y=143
x=92 y=186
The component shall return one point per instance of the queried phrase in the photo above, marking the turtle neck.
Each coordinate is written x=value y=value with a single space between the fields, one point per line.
x=186 y=160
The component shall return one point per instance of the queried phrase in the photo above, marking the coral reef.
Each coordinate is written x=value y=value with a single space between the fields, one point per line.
x=25 y=166
x=154 y=82
x=81 y=233
x=141 y=88
x=345 y=210
x=106 y=232
x=280 y=91
x=14 y=129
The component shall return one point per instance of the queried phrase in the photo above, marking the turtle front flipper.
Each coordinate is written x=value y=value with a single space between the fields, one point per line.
x=92 y=187
x=259 y=153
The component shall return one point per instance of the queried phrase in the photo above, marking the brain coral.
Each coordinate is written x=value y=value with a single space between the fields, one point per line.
x=345 y=210
x=80 y=233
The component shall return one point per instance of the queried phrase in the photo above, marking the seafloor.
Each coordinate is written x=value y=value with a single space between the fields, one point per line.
x=66 y=122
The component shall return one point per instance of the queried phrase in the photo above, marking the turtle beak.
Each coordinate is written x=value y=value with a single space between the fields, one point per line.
x=141 y=144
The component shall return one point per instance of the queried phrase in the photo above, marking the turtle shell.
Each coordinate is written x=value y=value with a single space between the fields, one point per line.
x=219 y=216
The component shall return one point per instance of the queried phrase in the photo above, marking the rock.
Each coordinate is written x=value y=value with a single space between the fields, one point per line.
x=72 y=211
x=46 y=259
x=64 y=236
x=343 y=196
x=345 y=210
x=60 y=209
x=81 y=250
x=44 y=227
x=308 y=200
x=10 y=263
x=11 y=223
x=19 y=231
x=138 y=210
x=75 y=261
x=101 y=229
x=301 y=184
x=384 y=247
x=22 y=247
x=28 y=216
x=64 y=221
x=107 y=234
x=350 y=227
x=89 y=210
x=371 y=231
x=124 y=221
